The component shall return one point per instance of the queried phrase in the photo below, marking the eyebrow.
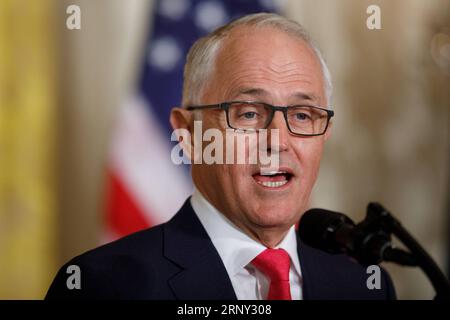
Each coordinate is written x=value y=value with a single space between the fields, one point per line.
x=259 y=92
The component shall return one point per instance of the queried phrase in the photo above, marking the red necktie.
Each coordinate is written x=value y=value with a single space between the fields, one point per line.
x=275 y=264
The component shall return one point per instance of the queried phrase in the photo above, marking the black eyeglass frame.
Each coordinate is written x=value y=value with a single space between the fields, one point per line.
x=226 y=105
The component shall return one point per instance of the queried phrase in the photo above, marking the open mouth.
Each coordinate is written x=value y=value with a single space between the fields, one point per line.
x=273 y=179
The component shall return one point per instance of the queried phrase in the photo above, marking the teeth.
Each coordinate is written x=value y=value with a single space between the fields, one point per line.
x=271 y=173
x=273 y=184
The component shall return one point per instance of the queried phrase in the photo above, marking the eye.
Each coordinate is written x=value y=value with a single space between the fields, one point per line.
x=301 y=116
x=249 y=115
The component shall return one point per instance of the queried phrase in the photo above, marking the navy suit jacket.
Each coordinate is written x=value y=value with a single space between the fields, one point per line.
x=177 y=260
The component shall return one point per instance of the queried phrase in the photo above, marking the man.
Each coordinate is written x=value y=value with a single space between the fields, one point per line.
x=235 y=237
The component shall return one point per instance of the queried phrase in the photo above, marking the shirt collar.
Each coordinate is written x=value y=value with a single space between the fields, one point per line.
x=236 y=248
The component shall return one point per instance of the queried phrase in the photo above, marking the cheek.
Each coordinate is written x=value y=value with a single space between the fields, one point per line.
x=236 y=175
x=228 y=177
x=235 y=188
x=309 y=153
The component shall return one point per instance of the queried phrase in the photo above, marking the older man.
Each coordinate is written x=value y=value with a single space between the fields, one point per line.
x=235 y=237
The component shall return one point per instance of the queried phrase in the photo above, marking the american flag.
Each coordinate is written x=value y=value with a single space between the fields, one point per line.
x=144 y=187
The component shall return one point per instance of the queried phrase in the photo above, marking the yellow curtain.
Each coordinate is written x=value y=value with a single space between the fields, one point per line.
x=27 y=148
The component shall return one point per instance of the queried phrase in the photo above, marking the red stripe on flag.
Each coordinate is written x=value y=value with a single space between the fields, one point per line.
x=123 y=215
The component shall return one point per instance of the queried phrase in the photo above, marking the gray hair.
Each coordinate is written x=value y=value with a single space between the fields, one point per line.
x=201 y=57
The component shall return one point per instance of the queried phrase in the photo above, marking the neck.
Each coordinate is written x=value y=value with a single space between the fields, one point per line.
x=269 y=237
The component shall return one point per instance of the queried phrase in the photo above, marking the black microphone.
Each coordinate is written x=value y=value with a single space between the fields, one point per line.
x=369 y=242
x=326 y=230
x=336 y=233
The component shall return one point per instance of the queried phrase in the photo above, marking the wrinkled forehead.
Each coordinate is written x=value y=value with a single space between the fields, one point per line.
x=268 y=42
x=267 y=54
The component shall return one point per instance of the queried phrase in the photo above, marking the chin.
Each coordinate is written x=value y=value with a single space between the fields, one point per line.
x=274 y=216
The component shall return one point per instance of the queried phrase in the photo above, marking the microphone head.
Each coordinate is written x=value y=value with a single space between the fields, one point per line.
x=317 y=229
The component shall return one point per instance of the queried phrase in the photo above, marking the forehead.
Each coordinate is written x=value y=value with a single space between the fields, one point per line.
x=269 y=58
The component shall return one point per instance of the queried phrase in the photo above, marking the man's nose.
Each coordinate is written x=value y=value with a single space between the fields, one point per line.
x=278 y=123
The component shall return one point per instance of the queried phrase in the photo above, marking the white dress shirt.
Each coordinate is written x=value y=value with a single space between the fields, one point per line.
x=237 y=250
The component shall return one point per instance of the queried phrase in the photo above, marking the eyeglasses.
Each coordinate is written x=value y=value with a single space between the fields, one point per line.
x=301 y=120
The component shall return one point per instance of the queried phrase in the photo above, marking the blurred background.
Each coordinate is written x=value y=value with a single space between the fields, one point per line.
x=84 y=136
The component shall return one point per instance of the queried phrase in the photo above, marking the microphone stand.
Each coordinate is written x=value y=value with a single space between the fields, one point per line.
x=373 y=245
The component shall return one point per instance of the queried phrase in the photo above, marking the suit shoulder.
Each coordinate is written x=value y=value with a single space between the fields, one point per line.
x=343 y=277
x=120 y=268
x=138 y=243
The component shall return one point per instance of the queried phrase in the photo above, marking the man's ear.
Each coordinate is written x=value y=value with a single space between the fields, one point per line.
x=180 y=118
x=181 y=122
x=328 y=132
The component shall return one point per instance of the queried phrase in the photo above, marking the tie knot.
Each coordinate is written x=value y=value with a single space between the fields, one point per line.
x=274 y=263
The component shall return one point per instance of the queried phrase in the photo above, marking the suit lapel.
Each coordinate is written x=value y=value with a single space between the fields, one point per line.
x=203 y=274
